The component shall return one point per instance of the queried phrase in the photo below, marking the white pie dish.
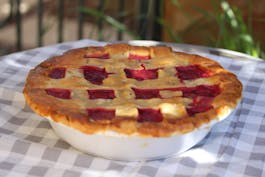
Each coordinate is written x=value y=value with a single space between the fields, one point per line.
x=114 y=146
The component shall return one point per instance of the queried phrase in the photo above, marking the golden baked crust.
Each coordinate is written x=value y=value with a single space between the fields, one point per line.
x=174 y=90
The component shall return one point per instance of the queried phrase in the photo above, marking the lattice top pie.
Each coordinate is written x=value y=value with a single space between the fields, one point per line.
x=132 y=90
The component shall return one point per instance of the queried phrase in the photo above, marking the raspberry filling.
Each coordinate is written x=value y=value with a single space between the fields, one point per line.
x=57 y=73
x=105 y=94
x=149 y=115
x=141 y=74
x=98 y=56
x=191 y=72
x=139 y=57
x=101 y=113
x=59 y=93
x=146 y=93
x=94 y=74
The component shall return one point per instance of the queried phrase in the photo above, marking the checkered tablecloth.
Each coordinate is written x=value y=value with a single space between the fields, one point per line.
x=29 y=147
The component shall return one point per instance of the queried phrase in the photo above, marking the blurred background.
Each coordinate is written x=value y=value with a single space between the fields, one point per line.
x=232 y=24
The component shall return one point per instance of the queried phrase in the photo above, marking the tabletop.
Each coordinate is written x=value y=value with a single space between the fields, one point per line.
x=29 y=147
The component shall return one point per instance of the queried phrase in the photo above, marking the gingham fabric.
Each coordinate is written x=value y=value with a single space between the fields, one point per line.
x=29 y=147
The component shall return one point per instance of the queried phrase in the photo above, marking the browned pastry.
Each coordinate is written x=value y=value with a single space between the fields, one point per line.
x=132 y=90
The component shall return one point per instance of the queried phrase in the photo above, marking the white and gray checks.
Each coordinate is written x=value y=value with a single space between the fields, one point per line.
x=29 y=147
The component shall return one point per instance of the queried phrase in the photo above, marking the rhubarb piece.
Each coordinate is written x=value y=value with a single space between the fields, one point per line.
x=59 y=93
x=201 y=90
x=94 y=74
x=146 y=93
x=198 y=109
x=191 y=72
x=149 y=115
x=200 y=104
x=57 y=73
x=188 y=92
x=202 y=100
x=105 y=94
x=101 y=113
x=141 y=74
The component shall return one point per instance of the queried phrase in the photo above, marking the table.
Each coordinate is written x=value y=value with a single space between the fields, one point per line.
x=29 y=147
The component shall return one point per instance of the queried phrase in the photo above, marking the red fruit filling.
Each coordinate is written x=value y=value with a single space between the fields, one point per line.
x=191 y=72
x=201 y=90
x=149 y=115
x=198 y=109
x=146 y=93
x=101 y=113
x=200 y=104
x=57 y=73
x=98 y=56
x=141 y=74
x=202 y=96
x=201 y=100
x=94 y=74
x=105 y=94
x=139 y=57
x=189 y=92
x=59 y=93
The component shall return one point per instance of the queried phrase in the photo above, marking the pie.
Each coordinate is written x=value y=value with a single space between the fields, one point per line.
x=132 y=90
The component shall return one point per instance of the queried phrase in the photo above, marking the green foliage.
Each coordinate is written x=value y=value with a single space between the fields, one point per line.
x=232 y=31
